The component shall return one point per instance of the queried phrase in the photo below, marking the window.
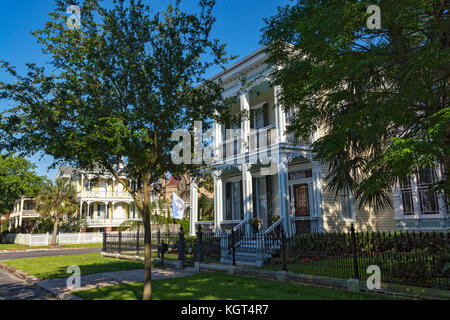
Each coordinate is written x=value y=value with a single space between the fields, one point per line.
x=407 y=200
x=234 y=204
x=346 y=203
x=427 y=196
x=300 y=174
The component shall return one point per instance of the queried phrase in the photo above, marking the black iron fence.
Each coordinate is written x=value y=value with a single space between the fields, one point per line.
x=403 y=258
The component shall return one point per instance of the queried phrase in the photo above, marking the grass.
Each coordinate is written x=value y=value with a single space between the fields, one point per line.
x=21 y=247
x=52 y=267
x=219 y=286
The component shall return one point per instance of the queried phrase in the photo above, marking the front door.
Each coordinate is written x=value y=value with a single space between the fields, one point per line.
x=301 y=201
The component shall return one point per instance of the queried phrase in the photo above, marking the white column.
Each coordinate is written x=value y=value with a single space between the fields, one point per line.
x=194 y=207
x=283 y=189
x=217 y=142
x=317 y=187
x=245 y=124
x=21 y=211
x=218 y=201
x=81 y=209
x=247 y=192
x=82 y=183
x=280 y=117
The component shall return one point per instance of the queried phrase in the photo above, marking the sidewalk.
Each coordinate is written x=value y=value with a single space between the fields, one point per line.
x=58 y=287
x=13 y=288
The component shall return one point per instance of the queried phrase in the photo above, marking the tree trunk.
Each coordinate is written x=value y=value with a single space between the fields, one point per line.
x=147 y=295
x=55 y=233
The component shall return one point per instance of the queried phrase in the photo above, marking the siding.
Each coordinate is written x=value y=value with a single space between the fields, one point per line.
x=366 y=219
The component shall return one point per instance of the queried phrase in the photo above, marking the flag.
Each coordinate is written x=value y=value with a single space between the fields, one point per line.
x=178 y=206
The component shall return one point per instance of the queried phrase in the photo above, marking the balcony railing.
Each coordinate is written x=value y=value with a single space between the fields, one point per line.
x=115 y=222
x=262 y=137
x=290 y=138
x=104 y=194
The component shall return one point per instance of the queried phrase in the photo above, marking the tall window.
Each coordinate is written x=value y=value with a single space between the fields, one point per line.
x=427 y=196
x=346 y=203
x=234 y=204
x=405 y=188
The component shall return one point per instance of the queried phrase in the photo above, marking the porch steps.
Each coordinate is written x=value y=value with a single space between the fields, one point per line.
x=251 y=252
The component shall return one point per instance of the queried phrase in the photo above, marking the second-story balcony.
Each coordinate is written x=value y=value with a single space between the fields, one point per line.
x=26 y=214
x=104 y=222
x=262 y=137
x=104 y=194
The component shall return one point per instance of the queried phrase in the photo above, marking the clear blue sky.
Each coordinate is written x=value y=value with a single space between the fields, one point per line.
x=238 y=25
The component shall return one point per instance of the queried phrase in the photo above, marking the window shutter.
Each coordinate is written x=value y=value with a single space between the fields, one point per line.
x=252 y=119
x=266 y=114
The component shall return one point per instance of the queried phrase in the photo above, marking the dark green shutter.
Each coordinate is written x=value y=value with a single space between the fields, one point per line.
x=266 y=114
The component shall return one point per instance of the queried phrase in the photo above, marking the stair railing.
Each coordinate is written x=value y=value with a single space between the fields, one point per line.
x=272 y=236
x=238 y=233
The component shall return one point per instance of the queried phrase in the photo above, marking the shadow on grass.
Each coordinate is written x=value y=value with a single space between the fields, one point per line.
x=217 y=286
x=54 y=267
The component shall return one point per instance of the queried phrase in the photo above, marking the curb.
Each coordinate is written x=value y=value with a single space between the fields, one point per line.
x=35 y=282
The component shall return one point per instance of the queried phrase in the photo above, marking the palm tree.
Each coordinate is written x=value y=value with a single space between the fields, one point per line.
x=57 y=201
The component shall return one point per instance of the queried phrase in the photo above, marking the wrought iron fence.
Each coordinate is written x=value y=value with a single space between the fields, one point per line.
x=403 y=258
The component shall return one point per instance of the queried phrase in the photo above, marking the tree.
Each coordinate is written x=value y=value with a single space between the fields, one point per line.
x=17 y=179
x=382 y=95
x=120 y=87
x=57 y=202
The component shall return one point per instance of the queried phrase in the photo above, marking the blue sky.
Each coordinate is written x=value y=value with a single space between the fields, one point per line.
x=238 y=25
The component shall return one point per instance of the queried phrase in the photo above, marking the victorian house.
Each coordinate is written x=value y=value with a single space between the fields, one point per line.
x=263 y=172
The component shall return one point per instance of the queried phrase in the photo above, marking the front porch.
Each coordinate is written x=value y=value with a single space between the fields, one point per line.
x=290 y=197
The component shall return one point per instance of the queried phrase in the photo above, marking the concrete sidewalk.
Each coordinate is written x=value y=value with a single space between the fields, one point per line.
x=58 y=287
x=13 y=288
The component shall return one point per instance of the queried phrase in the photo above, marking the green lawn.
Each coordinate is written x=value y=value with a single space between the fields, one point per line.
x=52 y=267
x=220 y=286
x=21 y=247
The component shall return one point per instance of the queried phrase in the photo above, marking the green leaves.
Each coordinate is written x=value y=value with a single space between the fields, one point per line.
x=56 y=201
x=380 y=96
x=17 y=179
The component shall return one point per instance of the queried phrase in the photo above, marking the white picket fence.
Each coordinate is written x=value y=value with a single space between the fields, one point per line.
x=34 y=240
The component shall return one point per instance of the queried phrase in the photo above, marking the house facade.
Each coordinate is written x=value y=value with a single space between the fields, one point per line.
x=104 y=203
x=263 y=172
x=23 y=213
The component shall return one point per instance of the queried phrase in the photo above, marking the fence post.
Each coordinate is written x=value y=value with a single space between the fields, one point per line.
x=181 y=245
x=120 y=241
x=137 y=243
x=104 y=241
x=158 y=240
x=233 y=247
x=198 y=249
x=355 y=258
x=283 y=250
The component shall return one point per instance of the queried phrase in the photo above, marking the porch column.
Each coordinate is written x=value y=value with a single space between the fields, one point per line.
x=194 y=206
x=283 y=189
x=317 y=187
x=81 y=209
x=247 y=194
x=280 y=117
x=218 y=201
x=21 y=211
x=82 y=183
x=245 y=124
